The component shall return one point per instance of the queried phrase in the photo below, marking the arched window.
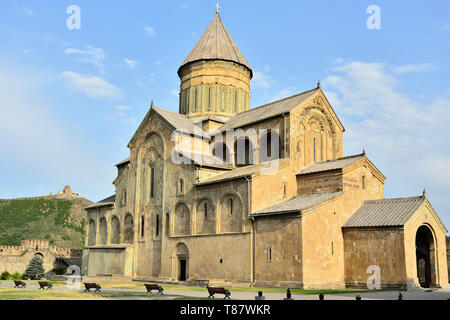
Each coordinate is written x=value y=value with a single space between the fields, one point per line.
x=243 y=152
x=221 y=151
x=129 y=230
x=152 y=182
x=269 y=146
x=115 y=230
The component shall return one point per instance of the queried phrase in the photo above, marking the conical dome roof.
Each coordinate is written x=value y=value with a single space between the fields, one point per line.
x=216 y=44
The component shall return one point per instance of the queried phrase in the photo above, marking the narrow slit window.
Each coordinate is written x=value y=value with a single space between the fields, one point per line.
x=157 y=225
x=181 y=185
x=196 y=94
x=363 y=182
x=231 y=206
x=142 y=226
x=314 y=149
x=206 y=210
x=209 y=99
x=152 y=183
x=223 y=100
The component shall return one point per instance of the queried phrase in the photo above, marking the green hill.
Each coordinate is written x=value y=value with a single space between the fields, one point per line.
x=60 y=221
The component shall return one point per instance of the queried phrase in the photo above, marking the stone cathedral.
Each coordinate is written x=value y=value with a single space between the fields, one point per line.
x=239 y=210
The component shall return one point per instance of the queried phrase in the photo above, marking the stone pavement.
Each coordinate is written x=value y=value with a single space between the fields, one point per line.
x=248 y=295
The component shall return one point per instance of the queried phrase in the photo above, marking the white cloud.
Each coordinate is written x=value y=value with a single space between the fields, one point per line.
x=404 y=137
x=150 y=31
x=131 y=63
x=25 y=51
x=95 y=56
x=413 y=68
x=157 y=62
x=91 y=86
x=261 y=80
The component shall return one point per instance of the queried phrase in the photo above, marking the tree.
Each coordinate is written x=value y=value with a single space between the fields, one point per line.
x=35 y=269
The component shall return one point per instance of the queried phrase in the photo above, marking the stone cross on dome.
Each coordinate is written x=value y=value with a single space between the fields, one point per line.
x=217 y=7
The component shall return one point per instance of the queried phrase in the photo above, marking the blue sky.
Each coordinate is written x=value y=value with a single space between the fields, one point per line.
x=70 y=100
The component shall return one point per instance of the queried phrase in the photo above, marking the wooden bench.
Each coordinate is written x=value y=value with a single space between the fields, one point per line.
x=19 y=284
x=44 y=285
x=212 y=291
x=151 y=287
x=90 y=286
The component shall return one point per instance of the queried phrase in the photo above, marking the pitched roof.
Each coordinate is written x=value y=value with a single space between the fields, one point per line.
x=216 y=44
x=206 y=160
x=177 y=120
x=239 y=172
x=384 y=212
x=267 y=111
x=103 y=203
x=296 y=204
x=332 y=164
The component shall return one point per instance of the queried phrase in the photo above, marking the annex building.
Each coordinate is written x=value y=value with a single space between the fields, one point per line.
x=219 y=192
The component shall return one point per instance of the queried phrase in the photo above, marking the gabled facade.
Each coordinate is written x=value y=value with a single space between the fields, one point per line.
x=219 y=192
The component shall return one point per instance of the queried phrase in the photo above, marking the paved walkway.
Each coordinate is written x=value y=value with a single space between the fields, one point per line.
x=248 y=295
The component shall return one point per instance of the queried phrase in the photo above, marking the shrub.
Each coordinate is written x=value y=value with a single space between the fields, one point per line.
x=16 y=276
x=5 y=276
x=35 y=269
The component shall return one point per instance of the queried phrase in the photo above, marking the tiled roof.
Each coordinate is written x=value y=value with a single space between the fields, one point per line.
x=216 y=44
x=332 y=164
x=384 y=213
x=296 y=204
x=179 y=121
x=127 y=160
x=102 y=203
x=267 y=111
x=206 y=160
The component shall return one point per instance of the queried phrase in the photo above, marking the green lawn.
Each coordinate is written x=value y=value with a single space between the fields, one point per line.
x=140 y=285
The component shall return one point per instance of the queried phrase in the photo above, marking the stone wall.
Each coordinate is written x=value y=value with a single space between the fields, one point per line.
x=16 y=258
x=382 y=247
x=448 y=257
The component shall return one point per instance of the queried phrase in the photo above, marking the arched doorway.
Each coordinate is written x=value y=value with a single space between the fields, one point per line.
x=181 y=262
x=425 y=257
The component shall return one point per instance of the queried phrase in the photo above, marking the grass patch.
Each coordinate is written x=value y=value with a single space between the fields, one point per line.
x=25 y=294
